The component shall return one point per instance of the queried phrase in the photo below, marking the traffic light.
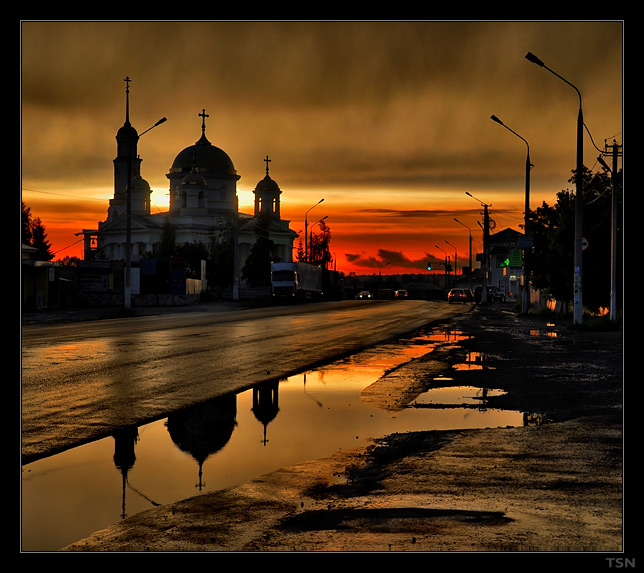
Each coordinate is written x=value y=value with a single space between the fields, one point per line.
x=429 y=265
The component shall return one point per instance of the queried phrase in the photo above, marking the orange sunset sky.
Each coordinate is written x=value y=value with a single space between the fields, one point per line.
x=388 y=122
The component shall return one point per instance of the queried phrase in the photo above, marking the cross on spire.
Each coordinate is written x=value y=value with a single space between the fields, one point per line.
x=127 y=81
x=203 y=115
x=267 y=161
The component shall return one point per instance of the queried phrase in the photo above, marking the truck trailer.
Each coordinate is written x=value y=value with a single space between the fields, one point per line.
x=296 y=280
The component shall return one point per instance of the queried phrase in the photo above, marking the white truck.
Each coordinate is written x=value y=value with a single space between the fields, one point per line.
x=296 y=280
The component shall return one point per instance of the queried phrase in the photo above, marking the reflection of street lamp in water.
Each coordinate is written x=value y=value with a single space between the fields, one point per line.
x=310 y=395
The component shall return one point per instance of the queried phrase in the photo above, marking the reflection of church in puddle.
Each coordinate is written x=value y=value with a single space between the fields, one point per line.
x=201 y=430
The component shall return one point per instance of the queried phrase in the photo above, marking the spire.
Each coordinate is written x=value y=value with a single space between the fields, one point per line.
x=127 y=81
x=267 y=161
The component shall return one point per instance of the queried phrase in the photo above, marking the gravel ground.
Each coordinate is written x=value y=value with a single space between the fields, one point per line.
x=552 y=486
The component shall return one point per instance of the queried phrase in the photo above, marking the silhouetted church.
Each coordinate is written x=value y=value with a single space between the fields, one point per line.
x=203 y=204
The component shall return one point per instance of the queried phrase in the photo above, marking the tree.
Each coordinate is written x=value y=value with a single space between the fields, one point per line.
x=300 y=254
x=166 y=247
x=257 y=268
x=553 y=229
x=26 y=225
x=34 y=234
x=319 y=248
x=221 y=264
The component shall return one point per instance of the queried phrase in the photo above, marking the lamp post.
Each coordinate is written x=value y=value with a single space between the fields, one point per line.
x=446 y=267
x=577 y=271
x=486 y=240
x=306 y=224
x=127 y=289
x=470 y=259
x=526 y=278
x=455 y=260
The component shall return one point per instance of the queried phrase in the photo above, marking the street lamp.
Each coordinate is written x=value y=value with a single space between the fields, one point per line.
x=486 y=239
x=127 y=289
x=446 y=267
x=470 y=261
x=528 y=166
x=577 y=276
x=306 y=224
x=455 y=259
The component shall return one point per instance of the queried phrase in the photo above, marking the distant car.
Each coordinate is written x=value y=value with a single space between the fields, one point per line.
x=401 y=293
x=363 y=294
x=457 y=295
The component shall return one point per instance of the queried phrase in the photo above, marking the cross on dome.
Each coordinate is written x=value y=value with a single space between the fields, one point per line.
x=267 y=161
x=203 y=115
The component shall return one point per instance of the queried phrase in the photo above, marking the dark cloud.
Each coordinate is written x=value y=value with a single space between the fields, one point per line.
x=385 y=258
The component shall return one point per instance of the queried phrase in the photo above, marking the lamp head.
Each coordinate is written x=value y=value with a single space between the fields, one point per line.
x=494 y=118
x=532 y=58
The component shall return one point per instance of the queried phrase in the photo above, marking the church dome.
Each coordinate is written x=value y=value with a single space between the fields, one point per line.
x=127 y=132
x=205 y=158
x=194 y=179
x=267 y=185
x=140 y=184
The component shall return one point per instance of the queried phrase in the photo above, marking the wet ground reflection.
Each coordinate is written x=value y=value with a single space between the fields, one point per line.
x=232 y=439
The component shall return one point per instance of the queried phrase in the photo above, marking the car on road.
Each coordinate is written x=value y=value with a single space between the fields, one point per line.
x=401 y=293
x=363 y=295
x=457 y=295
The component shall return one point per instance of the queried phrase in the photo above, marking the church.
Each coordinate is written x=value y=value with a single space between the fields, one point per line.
x=203 y=207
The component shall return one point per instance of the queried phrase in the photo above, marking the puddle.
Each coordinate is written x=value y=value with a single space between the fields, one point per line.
x=456 y=396
x=474 y=361
x=235 y=438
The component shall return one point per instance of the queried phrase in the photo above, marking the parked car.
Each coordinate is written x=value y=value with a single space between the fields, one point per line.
x=457 y=295
x=401 y=293
x=493 y=294
x=363 y=295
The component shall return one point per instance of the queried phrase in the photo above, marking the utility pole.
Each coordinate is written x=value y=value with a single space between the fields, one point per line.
x=486 y=242
x=615 y=153
x=486 y=251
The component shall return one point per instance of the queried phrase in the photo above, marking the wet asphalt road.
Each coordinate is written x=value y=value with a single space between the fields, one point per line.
x=81 y=381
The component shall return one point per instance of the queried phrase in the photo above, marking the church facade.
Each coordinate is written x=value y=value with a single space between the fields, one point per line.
x=203 y=206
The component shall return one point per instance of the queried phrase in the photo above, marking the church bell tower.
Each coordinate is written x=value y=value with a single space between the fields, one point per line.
x=267 y=196
x=126 y=158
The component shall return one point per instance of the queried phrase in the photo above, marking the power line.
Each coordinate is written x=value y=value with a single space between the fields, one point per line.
x=62 y=194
